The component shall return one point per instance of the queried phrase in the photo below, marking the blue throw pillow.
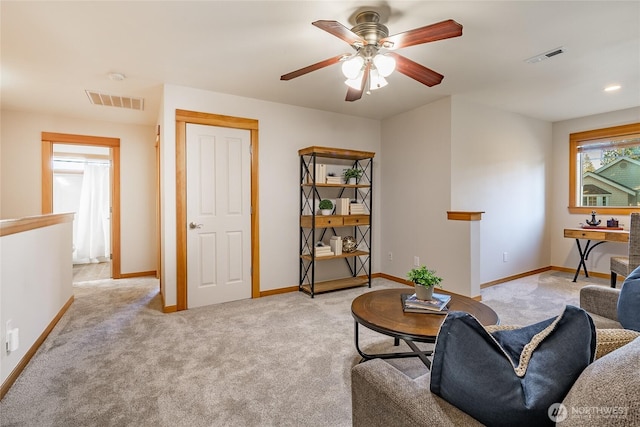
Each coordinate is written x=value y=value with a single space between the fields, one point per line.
x=629 y=302
x=511 y=377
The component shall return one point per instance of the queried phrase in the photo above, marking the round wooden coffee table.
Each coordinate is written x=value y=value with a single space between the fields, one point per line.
x=382 y=312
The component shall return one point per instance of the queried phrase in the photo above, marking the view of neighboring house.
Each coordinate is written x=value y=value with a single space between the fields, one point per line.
x=614 y=184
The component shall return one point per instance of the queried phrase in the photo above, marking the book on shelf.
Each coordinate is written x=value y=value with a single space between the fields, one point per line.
x=356 y=209
x=321 y=254
x=437 y=304
x=336 y=245
x=320 y=174
x=342 y=206
x=323 y=251
x=334 y=180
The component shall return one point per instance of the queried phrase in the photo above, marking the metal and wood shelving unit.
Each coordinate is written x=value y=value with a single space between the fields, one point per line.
x=315 y=228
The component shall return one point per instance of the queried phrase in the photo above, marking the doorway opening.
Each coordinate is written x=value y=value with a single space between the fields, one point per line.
x=82 y=184
x=81 y=174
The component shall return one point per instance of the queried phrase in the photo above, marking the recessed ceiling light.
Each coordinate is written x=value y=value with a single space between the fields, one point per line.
x=612 y=88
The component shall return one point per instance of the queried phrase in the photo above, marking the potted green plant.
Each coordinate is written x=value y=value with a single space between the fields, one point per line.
x=424 y=281
x=351 y=175
x=326 y=206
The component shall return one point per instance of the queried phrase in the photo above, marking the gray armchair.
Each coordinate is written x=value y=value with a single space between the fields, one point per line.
x=625 y=265
x=601 y=303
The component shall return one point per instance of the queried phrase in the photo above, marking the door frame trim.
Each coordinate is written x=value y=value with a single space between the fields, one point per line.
x=183 y=117
x=50 y=138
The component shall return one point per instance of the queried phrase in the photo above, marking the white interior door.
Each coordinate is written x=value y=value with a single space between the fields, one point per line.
x=218 y=214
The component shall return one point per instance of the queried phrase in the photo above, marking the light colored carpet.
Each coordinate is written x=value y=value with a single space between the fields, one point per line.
x=92 y=271
x=536 y=297
x=115 y=360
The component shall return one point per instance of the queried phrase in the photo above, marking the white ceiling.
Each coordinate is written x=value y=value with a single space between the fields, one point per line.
x=52 y=51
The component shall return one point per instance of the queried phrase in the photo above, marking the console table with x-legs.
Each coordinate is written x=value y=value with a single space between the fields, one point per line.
x=600 y=235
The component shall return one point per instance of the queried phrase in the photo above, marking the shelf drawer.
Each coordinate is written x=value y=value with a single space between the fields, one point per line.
x=322 y=221
x=586 y=234
x=615 y=235
x=356 y=220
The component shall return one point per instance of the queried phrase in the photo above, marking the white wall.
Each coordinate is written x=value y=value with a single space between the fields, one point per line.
x=416 y=187
x=283 y=130
x=32 y=297
x=20 y=184
x=460 y=156
x=563 y=251
x=500 y=164
x=66 y=195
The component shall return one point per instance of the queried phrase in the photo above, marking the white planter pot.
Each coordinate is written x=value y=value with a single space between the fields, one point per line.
x=423 y=292
x=326 y=211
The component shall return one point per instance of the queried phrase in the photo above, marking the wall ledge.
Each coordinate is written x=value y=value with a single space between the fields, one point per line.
x=13 y=226
x=464 y=216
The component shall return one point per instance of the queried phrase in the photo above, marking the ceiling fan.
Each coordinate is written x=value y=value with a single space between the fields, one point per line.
x=371 y=63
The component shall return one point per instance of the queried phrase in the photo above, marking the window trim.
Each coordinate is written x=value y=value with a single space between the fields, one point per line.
x=575 y=139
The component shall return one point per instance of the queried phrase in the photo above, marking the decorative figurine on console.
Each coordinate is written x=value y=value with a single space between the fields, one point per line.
x=593 y=221
x=612 y=223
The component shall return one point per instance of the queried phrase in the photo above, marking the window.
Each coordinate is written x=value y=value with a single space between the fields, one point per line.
x=604 y=170
x=594 y=201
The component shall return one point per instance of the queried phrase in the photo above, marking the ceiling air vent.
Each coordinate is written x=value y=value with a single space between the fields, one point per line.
x=97 y=98
x=546 y=55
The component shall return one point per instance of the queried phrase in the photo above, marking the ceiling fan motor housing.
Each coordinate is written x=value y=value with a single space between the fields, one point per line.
x=369 y=28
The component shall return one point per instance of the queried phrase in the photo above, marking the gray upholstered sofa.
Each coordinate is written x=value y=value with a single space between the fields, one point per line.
x=607 y=393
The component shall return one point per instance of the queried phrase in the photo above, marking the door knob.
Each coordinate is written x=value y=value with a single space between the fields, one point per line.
x=193 y=225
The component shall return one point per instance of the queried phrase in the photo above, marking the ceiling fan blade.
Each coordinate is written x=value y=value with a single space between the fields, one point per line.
x=355 y=94
x=416 y=71
x=442 y=30
x=340 y=31
x=313 y=67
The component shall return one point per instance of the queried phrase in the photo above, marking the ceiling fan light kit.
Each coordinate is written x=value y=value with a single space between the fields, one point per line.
x=367 y=68
x=355 y=83
x=352 y=67
x=376 y=80
x=385 y=64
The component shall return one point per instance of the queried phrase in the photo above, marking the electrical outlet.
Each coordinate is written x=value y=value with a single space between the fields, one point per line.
x=505 y=256
x=390 y=256
x=416 y=261
x=7 y=335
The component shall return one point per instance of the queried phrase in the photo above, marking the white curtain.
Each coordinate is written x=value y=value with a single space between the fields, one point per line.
x=92 y=240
